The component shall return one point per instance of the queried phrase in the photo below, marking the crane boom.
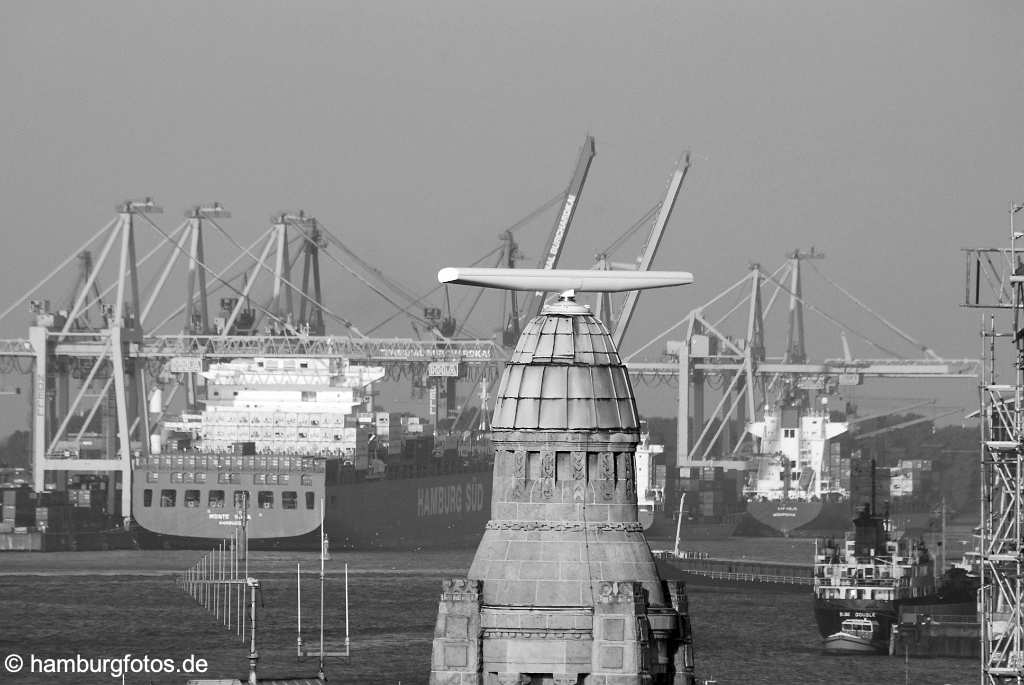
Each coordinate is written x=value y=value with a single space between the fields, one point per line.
x=906 y=424
x=561 y=229
x=651 y=248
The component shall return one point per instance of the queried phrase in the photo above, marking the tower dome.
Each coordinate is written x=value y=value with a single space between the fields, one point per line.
x=563 y=587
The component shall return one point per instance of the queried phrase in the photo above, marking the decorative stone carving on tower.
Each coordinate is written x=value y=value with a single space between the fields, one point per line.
x=563 y=588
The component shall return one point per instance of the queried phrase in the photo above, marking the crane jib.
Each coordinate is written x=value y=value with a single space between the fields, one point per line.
x=556 y=240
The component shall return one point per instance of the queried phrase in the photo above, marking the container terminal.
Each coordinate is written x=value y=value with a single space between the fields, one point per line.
x=115 y=398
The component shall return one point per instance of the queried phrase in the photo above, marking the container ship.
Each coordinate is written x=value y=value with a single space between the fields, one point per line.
x=286 y=442
x=861 y=586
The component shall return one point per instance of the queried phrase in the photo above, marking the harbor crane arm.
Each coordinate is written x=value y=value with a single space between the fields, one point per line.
x=561 y=229
x=651 y=248
x=905 y=424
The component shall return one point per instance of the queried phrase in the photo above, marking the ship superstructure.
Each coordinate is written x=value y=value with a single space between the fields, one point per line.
x=650 y=489
x=798 y=478
x=257 y=449
x=797 y=460
x=284 y=405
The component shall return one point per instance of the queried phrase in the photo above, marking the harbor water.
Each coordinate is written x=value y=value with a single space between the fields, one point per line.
x=112 y=604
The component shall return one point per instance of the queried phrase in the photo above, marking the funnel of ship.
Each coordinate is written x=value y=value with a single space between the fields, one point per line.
x=563 y=587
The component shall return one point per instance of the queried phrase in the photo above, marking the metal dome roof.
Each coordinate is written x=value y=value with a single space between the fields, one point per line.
x=565 y=374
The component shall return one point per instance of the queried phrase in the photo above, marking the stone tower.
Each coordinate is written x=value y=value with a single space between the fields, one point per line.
x=563 y=589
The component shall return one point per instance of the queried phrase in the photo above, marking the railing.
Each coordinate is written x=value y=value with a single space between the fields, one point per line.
x=952 y=618
x=752 y=577
x=739 y=570
x=226 y=462
x=863 y=582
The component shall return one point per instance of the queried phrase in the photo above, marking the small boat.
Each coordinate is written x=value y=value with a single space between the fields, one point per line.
x=855 y=636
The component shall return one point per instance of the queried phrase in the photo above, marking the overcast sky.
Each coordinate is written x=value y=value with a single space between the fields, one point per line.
x=886 y=134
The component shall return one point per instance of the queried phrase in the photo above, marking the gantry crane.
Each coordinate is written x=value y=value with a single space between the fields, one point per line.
x=745 y=374
x=110 y=370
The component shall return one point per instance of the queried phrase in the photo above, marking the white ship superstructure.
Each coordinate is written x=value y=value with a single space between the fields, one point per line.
x=797 y=460
x=650 y=491
x=285 y=405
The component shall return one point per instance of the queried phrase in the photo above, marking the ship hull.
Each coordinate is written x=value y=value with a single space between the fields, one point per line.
x=830 y=614
x=192 y=501
x=660 y=525
x=443 y=510
x=437 y=506
x=148 y=539
x=796 y=519
x=844 y=643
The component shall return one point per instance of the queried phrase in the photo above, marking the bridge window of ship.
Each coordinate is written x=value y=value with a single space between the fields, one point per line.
x=152 y=477
x=310 y=500
x=192 y=498
x=289 y=500
x=168 y=498
x=282 y=479
x=265 y=499
x=216 y=499
x=176 y=477
x=259 y=479
x=147 y=497
x=200 y=476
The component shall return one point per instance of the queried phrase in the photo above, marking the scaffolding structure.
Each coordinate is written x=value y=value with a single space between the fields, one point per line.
x=995 y=281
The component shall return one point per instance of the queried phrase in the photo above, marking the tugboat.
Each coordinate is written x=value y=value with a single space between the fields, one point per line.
x=855 y=636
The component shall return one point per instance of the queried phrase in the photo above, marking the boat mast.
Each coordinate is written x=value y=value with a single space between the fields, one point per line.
x=874 y=508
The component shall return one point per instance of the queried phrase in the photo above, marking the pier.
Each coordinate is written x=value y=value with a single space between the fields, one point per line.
x=737 y=570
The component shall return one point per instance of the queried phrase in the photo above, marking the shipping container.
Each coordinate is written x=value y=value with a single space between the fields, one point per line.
x=16 y=497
